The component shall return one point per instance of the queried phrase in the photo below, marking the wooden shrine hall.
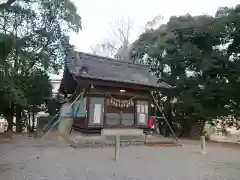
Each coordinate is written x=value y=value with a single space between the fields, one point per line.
x=116 y=93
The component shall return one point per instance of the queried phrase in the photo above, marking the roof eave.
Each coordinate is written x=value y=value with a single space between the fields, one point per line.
x=157 y=87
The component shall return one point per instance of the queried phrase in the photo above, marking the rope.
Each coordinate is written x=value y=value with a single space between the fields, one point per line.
x=118 y=99
x=120 y=102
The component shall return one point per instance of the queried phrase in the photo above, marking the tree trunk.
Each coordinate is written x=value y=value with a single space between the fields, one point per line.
x=18 y=120
x=29 y=122
x=10 y=122
x=9 y=117
x=33 y=122
x=165 y=130
x=186 y=127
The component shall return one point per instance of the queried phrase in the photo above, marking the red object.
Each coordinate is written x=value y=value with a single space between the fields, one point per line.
x=150 y=122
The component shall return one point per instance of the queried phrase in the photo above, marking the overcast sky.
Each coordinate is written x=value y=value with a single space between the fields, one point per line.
x=98 y=14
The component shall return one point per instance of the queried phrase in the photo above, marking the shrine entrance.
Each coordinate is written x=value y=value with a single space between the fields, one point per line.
x=119 y=112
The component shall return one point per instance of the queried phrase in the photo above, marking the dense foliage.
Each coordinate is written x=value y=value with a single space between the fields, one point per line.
x=33 y=42
x=200 y=56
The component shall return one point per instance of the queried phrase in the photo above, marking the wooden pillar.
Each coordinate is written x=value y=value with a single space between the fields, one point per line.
x=87 y=108
x=105 y=112
x=135 y=112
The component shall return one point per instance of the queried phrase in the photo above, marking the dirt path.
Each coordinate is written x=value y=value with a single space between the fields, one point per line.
x=28 y=159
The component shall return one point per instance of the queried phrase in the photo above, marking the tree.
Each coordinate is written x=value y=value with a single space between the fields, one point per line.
x=229 y=21
x=40 y=89
x=35 y=42
x=186 y=53
x=118 y=43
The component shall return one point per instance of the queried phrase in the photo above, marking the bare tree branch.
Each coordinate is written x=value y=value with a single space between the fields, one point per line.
x=119 y=34
x=121 y=29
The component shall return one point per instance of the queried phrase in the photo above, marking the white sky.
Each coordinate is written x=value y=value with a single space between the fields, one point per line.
x=98 y=14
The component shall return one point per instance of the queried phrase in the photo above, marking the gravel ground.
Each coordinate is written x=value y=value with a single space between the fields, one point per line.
x=34 y=160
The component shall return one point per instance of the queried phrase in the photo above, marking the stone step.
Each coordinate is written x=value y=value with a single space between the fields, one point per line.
x=125 y=143
x=104 y=145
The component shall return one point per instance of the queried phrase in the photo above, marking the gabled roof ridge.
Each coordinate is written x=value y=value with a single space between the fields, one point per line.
x=111 y=59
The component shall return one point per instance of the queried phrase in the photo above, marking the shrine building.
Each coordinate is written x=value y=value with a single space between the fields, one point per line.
x=117 y=94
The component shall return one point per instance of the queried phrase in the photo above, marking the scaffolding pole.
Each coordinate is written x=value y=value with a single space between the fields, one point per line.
x=75 y=115
x=80 y=96
x=164 y=117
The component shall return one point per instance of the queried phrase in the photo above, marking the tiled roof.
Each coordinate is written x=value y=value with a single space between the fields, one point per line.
x=102 y=68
